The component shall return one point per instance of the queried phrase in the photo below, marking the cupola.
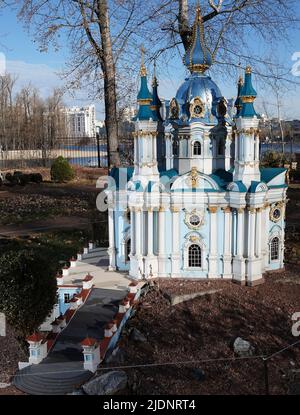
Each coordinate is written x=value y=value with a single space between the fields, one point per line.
x=197 y=58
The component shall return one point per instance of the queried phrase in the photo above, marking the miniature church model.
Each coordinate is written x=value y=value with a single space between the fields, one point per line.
x=196 y=203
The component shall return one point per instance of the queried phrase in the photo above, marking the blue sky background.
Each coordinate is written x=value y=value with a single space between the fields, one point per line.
x=41 y=69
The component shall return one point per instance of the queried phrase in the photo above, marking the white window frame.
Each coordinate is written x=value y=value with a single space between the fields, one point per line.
x=194 y=238
x=277 y=233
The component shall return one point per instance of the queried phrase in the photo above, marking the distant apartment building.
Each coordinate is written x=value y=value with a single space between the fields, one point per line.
x=81 y=121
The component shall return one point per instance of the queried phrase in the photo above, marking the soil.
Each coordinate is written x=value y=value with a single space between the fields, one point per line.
x=10 y=354
x=202 y=331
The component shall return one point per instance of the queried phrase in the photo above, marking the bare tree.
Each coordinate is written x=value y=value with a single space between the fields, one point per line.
x=104 y=38
x=98 y=33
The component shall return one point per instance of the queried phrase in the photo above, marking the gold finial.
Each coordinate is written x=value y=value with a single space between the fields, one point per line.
x=241 y=81
x=143 y=71
x=248 y=69
x=198 y=12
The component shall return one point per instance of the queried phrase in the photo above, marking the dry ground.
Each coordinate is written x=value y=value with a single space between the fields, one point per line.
x=205 y=328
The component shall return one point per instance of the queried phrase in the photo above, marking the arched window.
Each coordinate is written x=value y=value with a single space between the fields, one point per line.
x=194 y=256
x=127 y=250
x=197 y=148
x=175 y=148
x=274 y=247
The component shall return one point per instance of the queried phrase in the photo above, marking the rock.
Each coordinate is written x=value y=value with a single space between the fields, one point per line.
x=4 y=385
x=177 y=299
x=243 y=347
x=137 y=336
x=108 y=384
x=117 y=356
x=198 y=374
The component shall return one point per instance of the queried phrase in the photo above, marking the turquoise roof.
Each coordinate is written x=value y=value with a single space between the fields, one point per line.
x=144 y=92
x=170 y=173
x=144 y=98
x=248 y=110
x=156 y=102
x=242 y=188
x=238 y=102
x=268 y=173
x=253 y=186
x=197 y=56
x=222 y=178
x=123 y=175
x=145 y=113
x=248 y=91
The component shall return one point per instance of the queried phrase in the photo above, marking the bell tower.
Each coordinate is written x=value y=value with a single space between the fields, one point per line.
x=246 y=164
x=146 y=124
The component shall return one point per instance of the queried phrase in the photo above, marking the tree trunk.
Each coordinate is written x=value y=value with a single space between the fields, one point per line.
x=183 y=23
x=110 y=96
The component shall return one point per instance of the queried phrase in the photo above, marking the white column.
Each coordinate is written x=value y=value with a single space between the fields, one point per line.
x=111 y=235
x=175 y=242
x=133 y=231
x=150 y=260
x=212 y=271
x=138 y=236
x=227 y=256
x=161 y=242
x=251 y=233
x=239 y=260
x=254 y=268
x=161 y=231
x=267 y=233
x=150 y=232
x=258 y=232
x=240 y=233
x=257 y=147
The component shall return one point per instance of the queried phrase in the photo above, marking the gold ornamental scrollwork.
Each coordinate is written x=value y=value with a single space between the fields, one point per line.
x=197 y=108
x=174 y=108
x=193 y=177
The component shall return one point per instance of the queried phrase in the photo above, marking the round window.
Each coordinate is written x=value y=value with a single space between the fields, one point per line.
x=197 y=109
x=195 y=220
x=276 y=213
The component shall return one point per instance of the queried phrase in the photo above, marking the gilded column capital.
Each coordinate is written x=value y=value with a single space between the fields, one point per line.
x=226 y=209
x=251 y=210
x=240 y=210
x=213 y=209
x=175 y=209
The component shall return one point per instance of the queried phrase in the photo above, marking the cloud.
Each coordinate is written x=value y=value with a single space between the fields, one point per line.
x=42 y=76
x=45 y=79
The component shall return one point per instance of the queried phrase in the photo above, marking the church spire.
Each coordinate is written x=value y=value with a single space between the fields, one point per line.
x=197 y=58
x=144 y=97
x=248 y=95
x=156 y=102
x=238 y=102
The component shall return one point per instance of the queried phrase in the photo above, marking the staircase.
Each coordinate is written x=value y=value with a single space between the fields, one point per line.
x=51 y=378
x=62 y=370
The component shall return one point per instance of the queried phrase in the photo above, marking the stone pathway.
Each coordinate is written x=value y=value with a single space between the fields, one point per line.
x=62 y=371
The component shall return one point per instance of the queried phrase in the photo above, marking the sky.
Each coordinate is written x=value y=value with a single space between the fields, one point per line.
x=41 y=69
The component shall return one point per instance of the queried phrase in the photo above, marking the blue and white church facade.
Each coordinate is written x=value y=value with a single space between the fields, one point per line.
x=196 y=203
